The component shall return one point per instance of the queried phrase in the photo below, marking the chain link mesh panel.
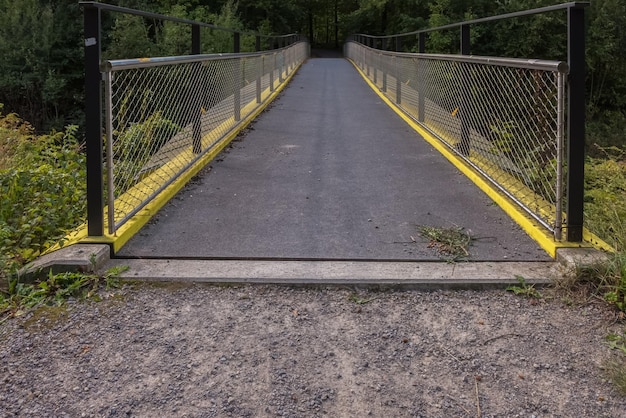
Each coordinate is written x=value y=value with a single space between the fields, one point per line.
x=164 y=114
x=504 y=117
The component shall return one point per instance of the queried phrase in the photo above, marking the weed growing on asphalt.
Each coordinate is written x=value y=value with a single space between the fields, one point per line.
x=452 y=243
x=524 y=289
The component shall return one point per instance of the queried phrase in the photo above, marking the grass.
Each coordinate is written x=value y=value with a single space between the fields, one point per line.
x=54 y=290
x=615 y=369
x=452 y=244
x=524 y=289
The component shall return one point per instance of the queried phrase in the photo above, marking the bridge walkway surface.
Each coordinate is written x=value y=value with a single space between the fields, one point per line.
x=329 y=172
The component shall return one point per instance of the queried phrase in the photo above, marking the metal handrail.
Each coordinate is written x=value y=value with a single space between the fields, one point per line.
x=531 y=64
x=126 y=64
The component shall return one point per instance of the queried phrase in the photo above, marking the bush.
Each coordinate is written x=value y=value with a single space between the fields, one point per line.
x=42 y=184
x=605 y=198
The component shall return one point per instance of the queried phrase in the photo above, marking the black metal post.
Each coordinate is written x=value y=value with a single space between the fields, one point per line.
x=465 y=110
x=421 y=99
x=236 y=42
x=384 y=42
x=195 y=39
x=421 y=43
x=398 y=44
x=93 y=122
x=576 y=122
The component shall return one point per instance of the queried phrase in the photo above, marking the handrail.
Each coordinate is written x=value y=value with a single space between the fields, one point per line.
x=126 y=64
x=531 y=64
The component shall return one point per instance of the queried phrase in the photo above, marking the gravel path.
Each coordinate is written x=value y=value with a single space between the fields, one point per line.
x=207 y=351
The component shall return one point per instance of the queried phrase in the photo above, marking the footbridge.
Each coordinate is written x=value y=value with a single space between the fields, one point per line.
x=284 y=154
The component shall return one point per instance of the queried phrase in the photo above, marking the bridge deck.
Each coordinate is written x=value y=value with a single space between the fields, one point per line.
x=330 y=172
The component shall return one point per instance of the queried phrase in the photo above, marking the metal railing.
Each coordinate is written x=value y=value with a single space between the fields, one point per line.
x=574 y=112
x=163 y=114
x=505 y=117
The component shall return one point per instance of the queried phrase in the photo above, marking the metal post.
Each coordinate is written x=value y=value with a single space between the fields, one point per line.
x=421 y=100
x=576 y=122
x=465 y=106
x=196 y=136
x=108 y=98
x=375 y=66
x=560 y=118
x=195 y=39
x=398 y=81
x=261 y=64
x=398 y=78
x=237 y=77
x=384 y=70
x=272 y=73
x=93 y=122
x=236 y=42
x=384 y=41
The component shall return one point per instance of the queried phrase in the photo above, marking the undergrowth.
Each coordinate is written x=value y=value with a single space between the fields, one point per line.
x=42 y=184
x=54 y=290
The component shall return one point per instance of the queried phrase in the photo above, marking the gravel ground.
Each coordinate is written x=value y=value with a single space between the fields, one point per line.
x=207 y=351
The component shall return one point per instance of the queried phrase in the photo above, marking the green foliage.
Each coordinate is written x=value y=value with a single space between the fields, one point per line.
x=607 y=279
x=41 y=71
x=54 y=289
x=616 y=369
x=43 y=190
x=139 y=141
x=617 y=341
x=524 y=289
x=605 y=198
x=451 y=243
x=355 y=298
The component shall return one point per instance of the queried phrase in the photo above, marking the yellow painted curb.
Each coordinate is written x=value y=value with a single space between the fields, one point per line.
x=536 y=231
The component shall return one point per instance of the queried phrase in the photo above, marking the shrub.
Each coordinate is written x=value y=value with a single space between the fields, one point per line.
x=605 y=199
x=42 y=184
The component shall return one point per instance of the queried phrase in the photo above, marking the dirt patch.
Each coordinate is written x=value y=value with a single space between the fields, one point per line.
x=206 y=351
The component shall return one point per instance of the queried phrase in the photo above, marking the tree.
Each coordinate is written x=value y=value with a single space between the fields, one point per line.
x=41 y=70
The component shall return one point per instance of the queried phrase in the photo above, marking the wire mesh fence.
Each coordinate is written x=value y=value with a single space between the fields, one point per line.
x=505 y=117
x=164 y=114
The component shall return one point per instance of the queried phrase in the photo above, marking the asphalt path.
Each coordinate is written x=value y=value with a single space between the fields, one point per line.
x=328 y=172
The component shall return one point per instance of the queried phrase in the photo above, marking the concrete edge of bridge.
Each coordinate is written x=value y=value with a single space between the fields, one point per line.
x=422 y=275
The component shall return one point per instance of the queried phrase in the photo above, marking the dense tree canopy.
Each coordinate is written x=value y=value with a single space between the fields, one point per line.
x=41 y=42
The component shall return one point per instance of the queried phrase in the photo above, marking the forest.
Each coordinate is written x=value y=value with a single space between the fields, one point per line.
x=41 y=71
